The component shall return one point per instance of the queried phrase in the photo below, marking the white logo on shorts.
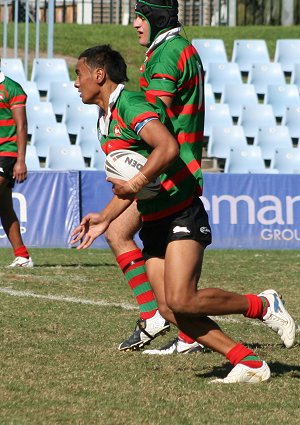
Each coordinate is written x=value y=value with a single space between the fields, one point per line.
x=179 y=229
x=1 y=170
x=204 y=230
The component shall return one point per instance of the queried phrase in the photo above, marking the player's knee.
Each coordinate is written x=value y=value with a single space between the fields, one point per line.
x=178 y=304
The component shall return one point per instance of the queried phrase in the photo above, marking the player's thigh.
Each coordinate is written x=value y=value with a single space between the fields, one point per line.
x=126 y=225
x=183 y=264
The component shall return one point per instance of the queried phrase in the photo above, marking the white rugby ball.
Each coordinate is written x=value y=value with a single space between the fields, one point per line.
x=124 y=164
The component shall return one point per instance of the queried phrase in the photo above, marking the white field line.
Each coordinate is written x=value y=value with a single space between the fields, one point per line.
x=125 y=306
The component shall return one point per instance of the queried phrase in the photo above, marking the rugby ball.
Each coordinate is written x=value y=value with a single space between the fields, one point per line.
x=124 y=164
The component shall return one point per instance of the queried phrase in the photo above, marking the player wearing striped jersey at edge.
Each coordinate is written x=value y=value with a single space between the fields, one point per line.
x=172 y=71
x=173 y=225
x=13 y=140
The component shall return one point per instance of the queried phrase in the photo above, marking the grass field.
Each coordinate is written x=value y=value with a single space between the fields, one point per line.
x=61 y=324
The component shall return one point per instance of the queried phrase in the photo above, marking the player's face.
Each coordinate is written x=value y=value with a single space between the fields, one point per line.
x=86 y=82
x=143 y=30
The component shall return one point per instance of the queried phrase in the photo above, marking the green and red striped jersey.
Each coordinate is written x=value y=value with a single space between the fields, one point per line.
x=11 y=96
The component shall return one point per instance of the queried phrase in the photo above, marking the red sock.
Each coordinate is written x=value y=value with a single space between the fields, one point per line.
x=241 y=354
x=256 y=306
x=185 y=338
x=132 y=265
x=21 y=252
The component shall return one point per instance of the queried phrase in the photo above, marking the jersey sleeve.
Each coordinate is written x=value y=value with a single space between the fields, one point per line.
x=163 y=79
x=17 y=96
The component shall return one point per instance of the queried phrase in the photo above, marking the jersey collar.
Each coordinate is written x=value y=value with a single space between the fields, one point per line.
x=164 y=37
x=2 y=77
x=104 y=122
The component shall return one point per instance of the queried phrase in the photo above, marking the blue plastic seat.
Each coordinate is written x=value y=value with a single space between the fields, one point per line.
x=65 y=158
x=244 y=160
x=210 y=50
x=222 y=139
x=39 y=113
x=291 y=119
x=247 y=52
x=255 y=116
x=45 y=70
x=286 y=161
x=237 y=96
x=31 y=159
x=33 y=95
x=76 y=116
x=287 y=53
x=219 y=74
x=280 y=96
x=271 y=138
x=263 y=74
x=14 y=69
x=295 y=75
x=60 y=94
x=45 y=135
x=88 y=141
x=98 y=160
x=217 y=113
x=209 y=95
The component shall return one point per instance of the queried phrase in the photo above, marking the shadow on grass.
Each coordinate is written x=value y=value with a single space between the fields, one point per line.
x=277 y=369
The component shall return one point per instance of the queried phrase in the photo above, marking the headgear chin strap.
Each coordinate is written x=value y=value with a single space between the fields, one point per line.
x=160 y=14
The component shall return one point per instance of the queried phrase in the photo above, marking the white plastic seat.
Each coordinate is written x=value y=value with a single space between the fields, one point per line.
x=237 y=96
x=45 y=70
x=87 y=139
x=14 y=69
x=65 y=158
x=219 y=74
x=291 y=119
x=280 y=96
x=33 y=95
x=244 y=159
x=98 y=160
x=77 y=115
x=263 y=74
x=271 y=138
x=287 y=53
x=39 y=113
x=60 y=94
x=210 y=50
x=31 y=158
x=286 y=161
x=209 y=95
x=247 y=52
x=222 y=139
x=45 y=135
x=295 y=75
x=255 y=116
x=217 y=113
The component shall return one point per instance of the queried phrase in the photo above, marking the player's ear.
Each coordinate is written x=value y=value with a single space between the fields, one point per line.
x=100 y=75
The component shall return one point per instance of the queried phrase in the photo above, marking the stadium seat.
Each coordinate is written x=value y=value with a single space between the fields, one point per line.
x=237 y=96
x=287 y=53
x=244 y=159
x=280 y=96
x=291 y=119
x=46 y=135
x=271 y=138
x=263 y=74
x=33 y=95
x=39 y=113
x=224 y=138
x=87 y=139
x=77 y=115
x=255 y=116
x=45 y=70
x=209 y=95
x=98 y=160
x=286 y=161
x=210 y=50
x=32 y=159
x=219 y=74
x=14 y=69
x=65 y=158
x=247 y=52
x=295 y=75
x=60 y=94
x=217 y=113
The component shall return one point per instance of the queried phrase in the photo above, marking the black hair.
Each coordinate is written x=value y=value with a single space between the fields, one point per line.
x=105 y=57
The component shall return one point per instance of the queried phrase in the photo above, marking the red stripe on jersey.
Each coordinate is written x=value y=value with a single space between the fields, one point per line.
x=160 y=93
x=189 y=137
x=13 y=154
x=190 y=83
x=11 y=121
x=20 y=98
x=116 y=144
x=186 y=109
x=163 y=76
x=181 y=175
x=142 y=117
x=115 y=115
x=184 y=57
x=143 y=82
x=8 y=139
x=169 y=211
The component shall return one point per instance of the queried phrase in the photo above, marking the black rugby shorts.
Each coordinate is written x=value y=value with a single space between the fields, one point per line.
x=6 y=169
x=189 y=224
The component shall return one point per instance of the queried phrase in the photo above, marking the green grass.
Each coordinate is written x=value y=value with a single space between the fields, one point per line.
x=71 y=39
x=59 y=362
